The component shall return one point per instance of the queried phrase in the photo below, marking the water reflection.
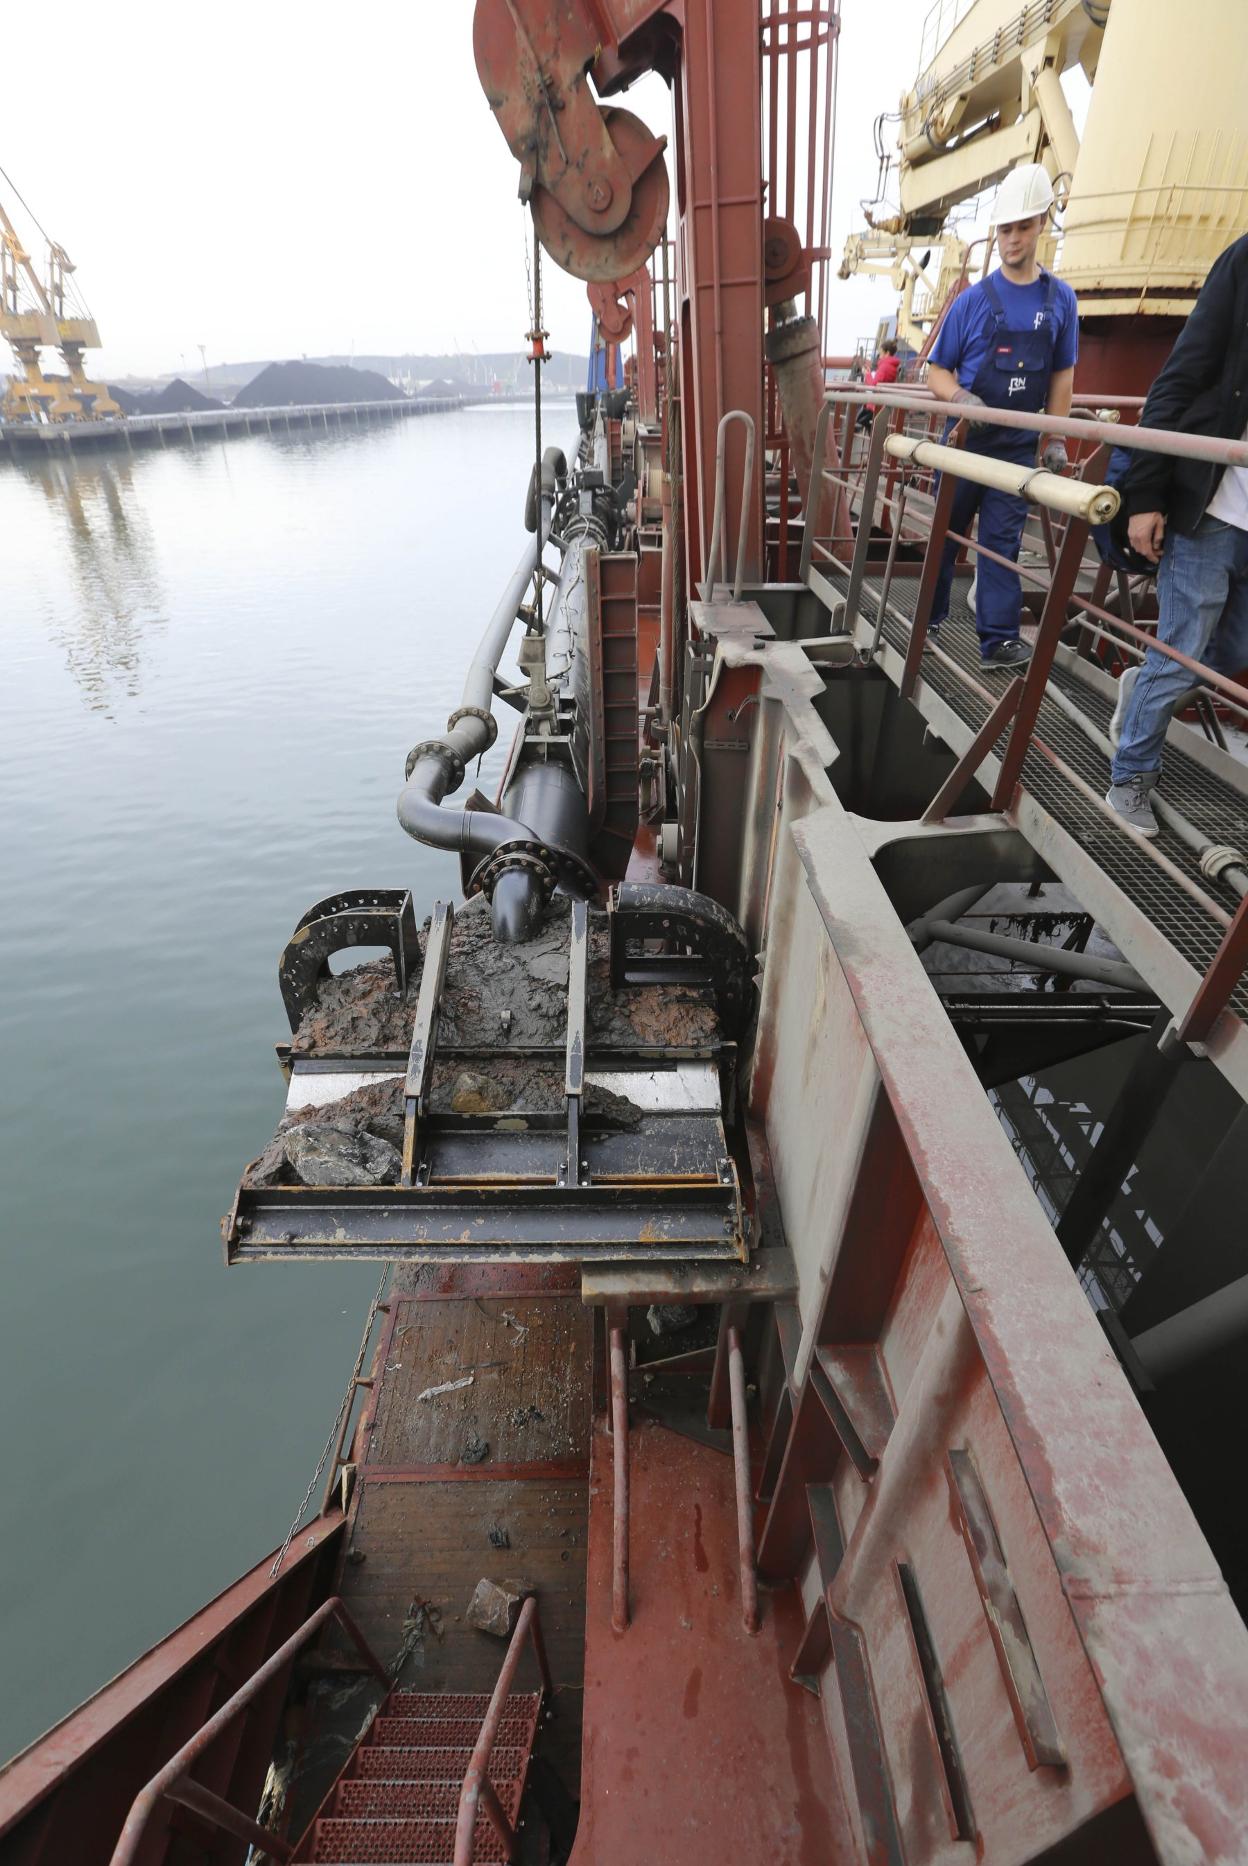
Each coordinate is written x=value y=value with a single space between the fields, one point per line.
x=111 y=556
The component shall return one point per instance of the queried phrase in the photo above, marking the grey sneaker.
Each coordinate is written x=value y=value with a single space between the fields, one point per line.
x=1014 y=653
x=1131 y=801
x=1126 y=686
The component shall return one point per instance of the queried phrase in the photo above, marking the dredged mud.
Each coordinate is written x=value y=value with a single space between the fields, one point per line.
x=504 y=997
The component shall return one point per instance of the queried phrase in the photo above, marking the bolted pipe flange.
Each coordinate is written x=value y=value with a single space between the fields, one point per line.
x=475 y=712
x=1218 y=857
x=436 y=748
x=534 y=856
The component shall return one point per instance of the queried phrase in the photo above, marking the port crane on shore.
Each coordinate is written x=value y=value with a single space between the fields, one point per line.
x=46 y=313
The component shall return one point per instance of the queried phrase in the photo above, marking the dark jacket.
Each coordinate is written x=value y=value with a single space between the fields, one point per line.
x=1202 y=389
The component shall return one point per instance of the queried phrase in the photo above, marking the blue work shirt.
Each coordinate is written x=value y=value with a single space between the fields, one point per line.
x=966 y=332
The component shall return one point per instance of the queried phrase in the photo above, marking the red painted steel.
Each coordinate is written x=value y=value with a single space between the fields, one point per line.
x=1219 y=982
x=619 y=1433
x=991 y=1347
x=74 y=1785
x=478 y=1791
x=696 y=1748
x=172 y=1777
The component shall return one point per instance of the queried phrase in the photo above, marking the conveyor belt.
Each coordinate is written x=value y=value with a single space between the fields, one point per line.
x=1214 y=806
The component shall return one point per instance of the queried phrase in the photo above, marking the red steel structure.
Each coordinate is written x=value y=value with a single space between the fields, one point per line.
x=921 y=1585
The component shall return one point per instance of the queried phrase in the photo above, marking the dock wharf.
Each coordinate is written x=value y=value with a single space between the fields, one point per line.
x=24 y=439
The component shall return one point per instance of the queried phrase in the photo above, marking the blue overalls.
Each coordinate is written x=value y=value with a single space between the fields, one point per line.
x=1015 y=373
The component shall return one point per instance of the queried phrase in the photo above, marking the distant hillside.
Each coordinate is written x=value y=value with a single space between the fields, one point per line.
x=285 y=385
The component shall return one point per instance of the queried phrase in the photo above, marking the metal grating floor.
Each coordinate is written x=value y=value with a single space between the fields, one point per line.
x=1215 y=807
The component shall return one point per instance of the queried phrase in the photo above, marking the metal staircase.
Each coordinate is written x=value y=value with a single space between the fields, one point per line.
x=399 y=1796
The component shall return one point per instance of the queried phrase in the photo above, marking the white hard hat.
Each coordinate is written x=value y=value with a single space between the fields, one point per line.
x=1025 y=192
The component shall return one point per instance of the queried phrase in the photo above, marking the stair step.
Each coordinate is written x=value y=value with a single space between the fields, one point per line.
x=427 y=1842
x=375 y=1764
x=354 y=1801
x=446 y=1703
x=444 y=1732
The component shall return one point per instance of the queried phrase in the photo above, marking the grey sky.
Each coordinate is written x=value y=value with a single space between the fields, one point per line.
x=290 y=180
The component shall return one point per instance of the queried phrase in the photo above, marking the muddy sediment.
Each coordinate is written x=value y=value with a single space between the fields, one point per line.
x=504 y=997
x=358 y=1140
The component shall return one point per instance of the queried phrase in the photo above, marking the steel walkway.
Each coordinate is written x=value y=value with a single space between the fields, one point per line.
x=1137 y=894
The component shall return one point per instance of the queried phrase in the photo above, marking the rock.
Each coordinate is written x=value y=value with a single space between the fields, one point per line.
x=322 y=1155
x=499 y=1538
x=470 y=1094
x=271 y=1169
x=668 y=1318
x=495 y=1606
x=475 y=1449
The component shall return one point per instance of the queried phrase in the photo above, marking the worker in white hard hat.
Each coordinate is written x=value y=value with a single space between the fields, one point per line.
x=1009 y=341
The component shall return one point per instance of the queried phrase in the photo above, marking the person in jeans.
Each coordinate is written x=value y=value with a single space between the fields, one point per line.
x=1010 y=341
x=1193 y=518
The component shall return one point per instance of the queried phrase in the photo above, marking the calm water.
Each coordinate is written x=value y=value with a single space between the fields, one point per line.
x=214 y=662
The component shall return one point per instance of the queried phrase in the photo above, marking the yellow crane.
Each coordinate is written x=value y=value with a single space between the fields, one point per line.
x=1153 y=188
x=46 y=313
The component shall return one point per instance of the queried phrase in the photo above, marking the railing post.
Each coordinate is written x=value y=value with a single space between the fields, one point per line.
x=619 y=1430
x=744 y=1489
x=1215 y=988
x=819 y=454
x=1036 y=678
x=866 y=517
x=930 y=572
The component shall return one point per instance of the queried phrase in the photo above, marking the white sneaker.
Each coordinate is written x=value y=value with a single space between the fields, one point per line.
x=1126 y=684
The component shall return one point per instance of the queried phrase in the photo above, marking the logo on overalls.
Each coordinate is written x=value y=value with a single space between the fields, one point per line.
x=1017 y=385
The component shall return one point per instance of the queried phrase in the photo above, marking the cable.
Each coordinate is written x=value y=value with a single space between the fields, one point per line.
x=26 y=204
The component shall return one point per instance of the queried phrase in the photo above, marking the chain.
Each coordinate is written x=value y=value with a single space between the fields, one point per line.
x=339 y=1421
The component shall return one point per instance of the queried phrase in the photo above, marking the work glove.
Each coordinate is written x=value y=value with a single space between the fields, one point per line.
x=972 y=402
x=1053 y=456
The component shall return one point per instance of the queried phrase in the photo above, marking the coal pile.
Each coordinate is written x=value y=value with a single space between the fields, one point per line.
x=443 y=386
x=295 y=385
x=180 y=398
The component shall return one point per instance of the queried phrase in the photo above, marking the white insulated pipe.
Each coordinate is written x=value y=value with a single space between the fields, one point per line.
x=1096 y=505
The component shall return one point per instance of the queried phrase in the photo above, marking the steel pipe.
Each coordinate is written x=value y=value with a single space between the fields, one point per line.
x=1140 y=440
x=440 y=765
x=619 y=1432
x=1095 y=505
x=744 y=1489
x=1047 y=958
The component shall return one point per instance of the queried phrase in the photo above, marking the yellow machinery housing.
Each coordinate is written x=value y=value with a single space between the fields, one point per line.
x=1153 y=191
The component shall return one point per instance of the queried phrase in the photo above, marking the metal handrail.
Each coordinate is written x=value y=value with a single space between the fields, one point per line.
x=1018 y=722
x=169 y=1783
x=718 y=552
x=478 y=1791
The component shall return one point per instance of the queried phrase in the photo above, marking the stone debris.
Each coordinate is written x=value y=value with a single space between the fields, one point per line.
x=670 y=1318
x=322 y=1154
x=498 y=1537
x=447 y=1386
x=359 y=1138
x=495 y=1607
x=475 y=1449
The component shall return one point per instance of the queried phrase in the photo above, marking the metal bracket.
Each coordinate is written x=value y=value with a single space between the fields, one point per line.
x=356 y=917
x=703 y=944
x=424 y=1041
x=574 y=1065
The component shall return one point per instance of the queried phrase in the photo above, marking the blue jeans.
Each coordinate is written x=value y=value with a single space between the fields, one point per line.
x=1202 y=602
x=998 y=593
